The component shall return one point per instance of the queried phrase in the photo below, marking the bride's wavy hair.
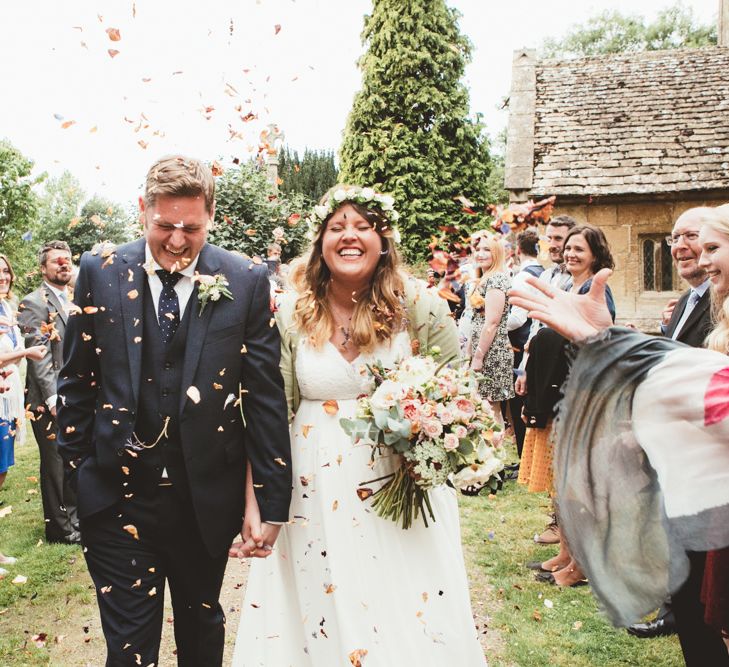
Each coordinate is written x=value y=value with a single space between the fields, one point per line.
x=379 y=311
x=718 y=339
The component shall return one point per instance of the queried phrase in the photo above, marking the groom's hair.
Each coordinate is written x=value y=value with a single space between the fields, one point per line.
x=180 y=176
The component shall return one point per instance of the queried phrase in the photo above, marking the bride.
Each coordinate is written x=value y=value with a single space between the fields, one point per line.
x=344 y=586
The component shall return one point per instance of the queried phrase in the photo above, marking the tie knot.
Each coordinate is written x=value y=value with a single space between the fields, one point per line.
x=694 y=297
x=168 y=279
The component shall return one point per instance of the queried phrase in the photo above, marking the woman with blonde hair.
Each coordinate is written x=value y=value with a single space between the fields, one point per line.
x=342 y=582
x=491 y=351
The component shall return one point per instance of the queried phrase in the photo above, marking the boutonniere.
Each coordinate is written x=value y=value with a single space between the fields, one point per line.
x=211 y=288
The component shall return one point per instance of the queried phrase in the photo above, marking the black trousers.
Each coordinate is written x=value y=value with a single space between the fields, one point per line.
x=702 y=646
x=131 y=549
x=59 y=500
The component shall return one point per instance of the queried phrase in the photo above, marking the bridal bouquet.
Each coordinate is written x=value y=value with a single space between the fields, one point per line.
x=433 y=417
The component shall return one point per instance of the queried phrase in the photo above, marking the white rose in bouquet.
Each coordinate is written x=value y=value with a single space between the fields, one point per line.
x=416 y=371
x=389 y=393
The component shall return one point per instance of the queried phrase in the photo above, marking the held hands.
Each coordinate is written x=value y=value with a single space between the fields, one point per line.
x=575 y=316
x=258 y=538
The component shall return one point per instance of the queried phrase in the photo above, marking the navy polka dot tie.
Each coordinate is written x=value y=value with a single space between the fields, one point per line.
x=168 y=311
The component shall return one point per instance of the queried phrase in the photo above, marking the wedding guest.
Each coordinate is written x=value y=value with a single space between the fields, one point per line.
x=518 y=324
x=490 y=348
x=12 y=352
x=687 y=319
x=42 y=317
x=586 y=252
x=170 y=395
x=344 y=583
x=636 y=509
x=555 y=234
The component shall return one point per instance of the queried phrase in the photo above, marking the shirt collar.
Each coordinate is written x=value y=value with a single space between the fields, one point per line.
x=701 y=289
x=529 y=261
x=188 y=271
x=60 y=293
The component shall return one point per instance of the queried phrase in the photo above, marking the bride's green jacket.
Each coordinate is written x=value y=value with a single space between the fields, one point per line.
x=429 y=322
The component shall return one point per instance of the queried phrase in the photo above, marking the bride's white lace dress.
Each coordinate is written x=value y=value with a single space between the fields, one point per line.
x=341 y=579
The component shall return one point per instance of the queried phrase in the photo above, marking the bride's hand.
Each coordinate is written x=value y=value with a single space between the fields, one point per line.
x=575 y=316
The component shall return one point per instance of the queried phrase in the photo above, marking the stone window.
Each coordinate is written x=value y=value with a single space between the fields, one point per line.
x=657 y=264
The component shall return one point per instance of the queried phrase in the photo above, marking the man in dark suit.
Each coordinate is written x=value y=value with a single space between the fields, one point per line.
x=170 y=394
x=42 y=318
x=686 y=319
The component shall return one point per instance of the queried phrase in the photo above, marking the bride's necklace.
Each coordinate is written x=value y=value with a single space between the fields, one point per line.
x=345 y=329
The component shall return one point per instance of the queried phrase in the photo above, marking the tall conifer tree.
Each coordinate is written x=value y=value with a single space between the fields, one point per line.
x=410 y=131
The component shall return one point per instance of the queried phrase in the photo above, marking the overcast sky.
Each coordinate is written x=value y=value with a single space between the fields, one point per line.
x=187 y=72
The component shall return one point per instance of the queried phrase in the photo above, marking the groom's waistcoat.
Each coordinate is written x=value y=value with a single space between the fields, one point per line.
x=159 y=398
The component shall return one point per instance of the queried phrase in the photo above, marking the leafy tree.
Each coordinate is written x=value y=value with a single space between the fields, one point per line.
x=613 y=32
x=312 y=175
x=247 y=214
x=18 y=207
x=100 y=219
x=59 y=204
x=409 y=132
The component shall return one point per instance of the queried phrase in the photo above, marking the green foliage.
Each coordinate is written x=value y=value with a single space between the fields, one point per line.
x=98 y=220
x=613 y=32
x=18 y=208
x=312 y=175
x=409 y=132
x=247 y=213
x=102 y=220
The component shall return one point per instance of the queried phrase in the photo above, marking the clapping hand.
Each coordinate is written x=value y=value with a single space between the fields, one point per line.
x=574 y=316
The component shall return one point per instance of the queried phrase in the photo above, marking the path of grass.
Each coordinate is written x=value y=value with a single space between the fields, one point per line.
x=516 y=627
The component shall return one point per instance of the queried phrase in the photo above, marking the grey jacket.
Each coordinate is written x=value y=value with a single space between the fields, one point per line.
x=42 y=321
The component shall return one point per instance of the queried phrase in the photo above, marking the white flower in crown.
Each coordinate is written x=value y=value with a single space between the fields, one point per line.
x=367 y=197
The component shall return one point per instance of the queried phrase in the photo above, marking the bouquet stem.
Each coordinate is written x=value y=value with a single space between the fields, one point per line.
x=402 y=500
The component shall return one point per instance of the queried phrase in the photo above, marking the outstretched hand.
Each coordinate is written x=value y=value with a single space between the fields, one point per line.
x=574 y=316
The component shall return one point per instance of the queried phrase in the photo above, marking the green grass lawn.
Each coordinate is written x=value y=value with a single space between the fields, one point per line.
x=52 y=570
x=522 y=631
x=498 y=535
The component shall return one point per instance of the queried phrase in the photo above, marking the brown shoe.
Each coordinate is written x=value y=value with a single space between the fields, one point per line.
x=549 y=536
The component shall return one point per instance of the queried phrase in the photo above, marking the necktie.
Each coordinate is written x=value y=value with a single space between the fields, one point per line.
x=168 y=310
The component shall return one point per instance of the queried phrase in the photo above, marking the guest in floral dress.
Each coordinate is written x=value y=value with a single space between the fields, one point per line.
x=491 y=351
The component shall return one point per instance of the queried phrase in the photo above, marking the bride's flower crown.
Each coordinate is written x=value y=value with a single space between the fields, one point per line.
x=367 y=197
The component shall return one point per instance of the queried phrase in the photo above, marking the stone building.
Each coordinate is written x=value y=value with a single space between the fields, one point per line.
x=625 y=142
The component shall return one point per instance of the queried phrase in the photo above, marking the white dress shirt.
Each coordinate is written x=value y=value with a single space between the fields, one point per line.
x=517 y=315
x=184 y=286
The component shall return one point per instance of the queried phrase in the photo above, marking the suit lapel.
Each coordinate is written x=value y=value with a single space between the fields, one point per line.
x=198 y=326
x=677 y=313
x=695 y=315
x=132 y=277
x=54 y=301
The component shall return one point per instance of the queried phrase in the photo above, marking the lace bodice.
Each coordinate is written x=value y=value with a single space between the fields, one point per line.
x=325 y=374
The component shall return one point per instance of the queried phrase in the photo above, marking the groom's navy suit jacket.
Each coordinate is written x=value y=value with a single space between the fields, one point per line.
x=231 y=358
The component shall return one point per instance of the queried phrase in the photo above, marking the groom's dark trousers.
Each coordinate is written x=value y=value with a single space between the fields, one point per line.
x=165 y=543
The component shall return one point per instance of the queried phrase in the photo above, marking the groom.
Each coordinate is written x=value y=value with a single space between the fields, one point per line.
x=167 y=393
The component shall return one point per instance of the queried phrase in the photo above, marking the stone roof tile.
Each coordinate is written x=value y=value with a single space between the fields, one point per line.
x=632 y=123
